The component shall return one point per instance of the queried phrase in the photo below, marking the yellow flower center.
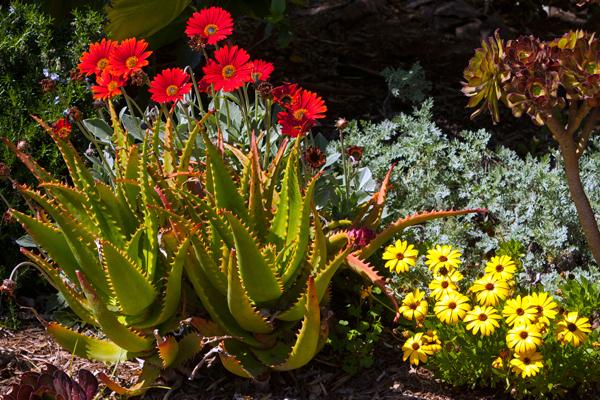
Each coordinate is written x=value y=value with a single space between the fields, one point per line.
x=228 y=71
x=298 y=114
x=400 y=256
x=102 y=63
x=452 y=305
x=172 y=90
x=482 y=317
x=211 y=29
x=112 y=86
x=571 y=327
x=131 y=62
x=489 y=286
x=523 y=334
x=416 y=346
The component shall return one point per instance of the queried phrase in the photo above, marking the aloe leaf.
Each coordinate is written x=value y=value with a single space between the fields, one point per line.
x=240 y=304
x=215 y=303
x=150 y=253
x=133 y=291
x=287 y=217
x=258 y=277
x=76 y=301
x=40 y=173
x=224 y=190
x=239 y=360
x=87 y=347
x=307 y=340
x=189 y=346
x=150 y=373
x=168 y=348
x=255 y=199
x=172 y=290
x=184 y=159
x=322 y=279
x=51 y=240
x=301 y=235
x=318 y=250
x=111 y=327
x=80 y=241
x=272 y=174
x=207 y=262
x=71 y=199
x=405 y=222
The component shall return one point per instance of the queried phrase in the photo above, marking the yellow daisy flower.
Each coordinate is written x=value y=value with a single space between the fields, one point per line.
x=490 y=290
x=573 y=329
x=442 y=286
x=498 y=363
x=400 y=256
x=443 y=257
x=502 y=267
x=414 y=306
x=414 y=350
x=527 y=364
x=483 y=320
x=432 y=341
x=524 y=338
x=452 y=308
x=519 y=311
x=545 y=306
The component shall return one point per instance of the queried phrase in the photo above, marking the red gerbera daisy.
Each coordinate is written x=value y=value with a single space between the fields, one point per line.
x=261 y=70
x=284 y=94
x=96 y=59
x=170 y=85
x=230 y=71
x=307 y=104
x=108 y=85
x=291 y=126
x=210 y=24
x=62 y=128
x=129 y=56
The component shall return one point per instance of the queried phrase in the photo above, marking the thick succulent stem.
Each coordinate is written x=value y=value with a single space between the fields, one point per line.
x=569 y=150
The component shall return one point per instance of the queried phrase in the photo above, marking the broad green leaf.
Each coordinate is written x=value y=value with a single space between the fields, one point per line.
x=258 y=277
x=240 y=304
x=239 y=360
x=132 y=289
x=87 y=347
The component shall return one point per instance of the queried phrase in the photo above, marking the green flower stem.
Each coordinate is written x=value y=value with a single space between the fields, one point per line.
x=89 y=136
x=196 y=89
x=268 y=107
x=344 y=167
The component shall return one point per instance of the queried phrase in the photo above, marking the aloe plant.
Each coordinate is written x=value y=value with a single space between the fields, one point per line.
x=248 y=239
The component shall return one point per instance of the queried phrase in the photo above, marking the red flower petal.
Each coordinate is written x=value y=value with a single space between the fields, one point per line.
x=170 y=85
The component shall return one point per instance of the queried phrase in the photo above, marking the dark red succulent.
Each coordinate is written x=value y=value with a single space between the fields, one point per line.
x=54 y=384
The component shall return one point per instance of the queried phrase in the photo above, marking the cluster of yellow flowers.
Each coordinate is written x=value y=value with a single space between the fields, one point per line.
x=528 y=318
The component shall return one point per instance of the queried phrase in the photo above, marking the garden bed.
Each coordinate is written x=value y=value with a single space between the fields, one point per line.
x=31 y=347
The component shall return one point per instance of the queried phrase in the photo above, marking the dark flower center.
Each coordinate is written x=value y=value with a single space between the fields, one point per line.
x=445 y=284
x=172 y=90
x=499 y=268
x=483 y=317
x=524 y=334
x=452 y=305
x=443 y=258
x=210 y=29
x=443 y=271
x=131 y=62
x=572 y=327
x=416 y=346
x=400 y=256
x=526 y=360
x=228 y=71
x=489 y=286
x=520 y=311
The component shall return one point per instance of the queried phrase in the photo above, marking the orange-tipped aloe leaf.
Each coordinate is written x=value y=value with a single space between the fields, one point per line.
x=40 y=173
x=414 y=219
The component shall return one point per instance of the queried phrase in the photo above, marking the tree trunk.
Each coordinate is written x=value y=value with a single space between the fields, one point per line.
x=587 y=218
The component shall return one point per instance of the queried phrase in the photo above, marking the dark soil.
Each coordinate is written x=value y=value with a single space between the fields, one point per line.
x=389 y=378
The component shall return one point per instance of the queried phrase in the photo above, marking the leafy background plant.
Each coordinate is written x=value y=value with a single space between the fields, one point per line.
x=527 y=199
x=33 y=47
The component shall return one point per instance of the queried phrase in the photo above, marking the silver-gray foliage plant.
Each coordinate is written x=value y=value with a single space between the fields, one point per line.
x=527 y=199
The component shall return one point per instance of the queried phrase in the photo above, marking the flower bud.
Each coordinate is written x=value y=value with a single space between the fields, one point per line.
x=341 y=124
x=48 y=85
x=22 y=145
